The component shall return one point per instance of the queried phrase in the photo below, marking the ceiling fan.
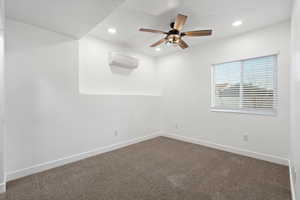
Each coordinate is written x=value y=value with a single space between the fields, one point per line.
x=174 y=36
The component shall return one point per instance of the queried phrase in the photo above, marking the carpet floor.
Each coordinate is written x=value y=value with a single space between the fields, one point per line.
x=157 y=169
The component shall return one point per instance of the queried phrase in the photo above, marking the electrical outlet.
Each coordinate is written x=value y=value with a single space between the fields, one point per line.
x=148 y=130
x=152 y=130
x=116 y=133
x=176 y=126
x=246 y=137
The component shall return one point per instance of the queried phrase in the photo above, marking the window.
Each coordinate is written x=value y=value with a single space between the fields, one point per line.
x=247 y=86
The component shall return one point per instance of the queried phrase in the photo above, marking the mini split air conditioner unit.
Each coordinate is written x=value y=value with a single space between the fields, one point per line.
x=121 y=60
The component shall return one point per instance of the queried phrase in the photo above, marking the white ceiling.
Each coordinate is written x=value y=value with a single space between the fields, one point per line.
x=1 y=14
x=71 y=17
x=77 y=17
x=202 y=14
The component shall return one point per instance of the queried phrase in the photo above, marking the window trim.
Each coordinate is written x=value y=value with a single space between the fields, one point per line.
x=268 y=112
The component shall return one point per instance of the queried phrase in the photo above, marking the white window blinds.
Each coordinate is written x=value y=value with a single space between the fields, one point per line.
x=246 y=85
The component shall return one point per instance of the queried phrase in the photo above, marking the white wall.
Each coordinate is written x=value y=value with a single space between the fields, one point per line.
x=295 y=96
x=2 y=129
x=97 y=77
x=186 y=80
x=47 y=118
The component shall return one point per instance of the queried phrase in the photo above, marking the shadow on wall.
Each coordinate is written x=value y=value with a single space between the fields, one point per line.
x=120 y=70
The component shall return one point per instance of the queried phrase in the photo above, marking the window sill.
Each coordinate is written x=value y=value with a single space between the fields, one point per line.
x=251 y=112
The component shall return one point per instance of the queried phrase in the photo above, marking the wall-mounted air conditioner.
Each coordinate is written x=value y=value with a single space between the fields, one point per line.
x=121 y=60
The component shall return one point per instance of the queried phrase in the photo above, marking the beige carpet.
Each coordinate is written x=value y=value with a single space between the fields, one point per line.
x=158 y=169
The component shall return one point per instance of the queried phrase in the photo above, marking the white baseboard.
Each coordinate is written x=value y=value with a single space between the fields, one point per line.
x=260 y=156
x=292 y=181
x=56 y=163
x=2 y=187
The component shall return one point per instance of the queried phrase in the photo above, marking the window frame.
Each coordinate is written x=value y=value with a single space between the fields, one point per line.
x=270 y=112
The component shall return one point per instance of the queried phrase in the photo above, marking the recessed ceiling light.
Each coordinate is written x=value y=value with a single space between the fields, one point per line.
x=112 y=30
x=237 y=23
x=157 y=49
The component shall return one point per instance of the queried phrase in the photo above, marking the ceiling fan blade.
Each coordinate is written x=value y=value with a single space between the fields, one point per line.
x=182 y=44
x=158 y=42
x=180 y=21
x=197 y=33
x=152 y=31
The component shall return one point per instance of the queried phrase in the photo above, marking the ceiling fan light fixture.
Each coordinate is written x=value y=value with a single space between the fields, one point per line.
x=169 y=44
x=173 y=38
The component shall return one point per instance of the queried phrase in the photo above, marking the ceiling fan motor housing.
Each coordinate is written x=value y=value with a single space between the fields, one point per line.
x=173 y=32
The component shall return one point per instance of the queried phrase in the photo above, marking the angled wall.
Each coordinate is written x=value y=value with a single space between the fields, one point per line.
x=72 y=18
